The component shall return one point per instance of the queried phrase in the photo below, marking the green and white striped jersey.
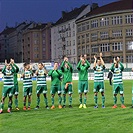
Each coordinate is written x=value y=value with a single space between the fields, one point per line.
x=27 y=79
x=8 y=78
x=99 y=73
x=117 y=76
x=41 y=78
x=117 y=73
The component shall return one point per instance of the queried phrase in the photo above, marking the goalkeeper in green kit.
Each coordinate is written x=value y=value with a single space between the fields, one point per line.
x=67 y=70
x=82 y=67
x=55 y=75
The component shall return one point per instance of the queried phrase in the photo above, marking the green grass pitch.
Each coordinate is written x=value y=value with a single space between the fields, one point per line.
x=73 y=120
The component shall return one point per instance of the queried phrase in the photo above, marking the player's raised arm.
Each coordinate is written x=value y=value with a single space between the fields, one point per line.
x=78 y=66
x=112 y=67
x=3 y=70
x=13 y=63
x=63 y=63
x=102 y=62
x=87 y=62
x=121 y=65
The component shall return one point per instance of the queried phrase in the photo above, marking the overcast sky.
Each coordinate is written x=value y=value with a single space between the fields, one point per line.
x=17 y=11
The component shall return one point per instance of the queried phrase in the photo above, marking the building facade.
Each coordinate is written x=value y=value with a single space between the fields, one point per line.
x=46 y=43
x=107 y=29
x=15 y=43
x=37 y=43
x=63 y=35
x=4 y=43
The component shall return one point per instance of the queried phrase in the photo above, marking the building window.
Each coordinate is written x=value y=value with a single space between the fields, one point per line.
x=79 y=51
x=73 y=33
x=83 y=50
x=87 y=26
x=104 y=21
x=87 y=49
x=105 y=47
x=129 y=45
x=43 y=35
x=94 y=24
x=87 y=37
x=73 y=25
x=95 y=48
x=78 y=40
x=129 y=59
x=94 y=36
x=83 y=39
x=43 y=49
x=35 y=41
x=116 y=20
x=70 y=51
x=73 y=42
x=129 y=19
x=70 y=43
x=69 y=33
x=79 y=28
x=129 y=32
x=36 y=56
x=104 y=35
x=73 y=51
x=83 y=27
x=69 y=28
x=116 y=33
x=43 y=42
x=67 y=52
x=117 y=46
x=67 y=43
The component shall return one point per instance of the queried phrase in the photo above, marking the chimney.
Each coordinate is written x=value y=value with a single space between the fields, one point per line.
x=63 y=13
x=94 y=6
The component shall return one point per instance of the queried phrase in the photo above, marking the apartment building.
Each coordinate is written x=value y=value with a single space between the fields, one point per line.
x=107 y=29
x=63 y=35
x=37 y=43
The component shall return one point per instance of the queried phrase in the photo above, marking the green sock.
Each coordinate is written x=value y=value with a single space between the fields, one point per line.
x=64 y=100
x=70 y=100
x=115 y=100
x=80 y=100
x=9 y=105
x=132 y=100
x=103 y=100
x=16 y=102
x=95 y=100
x=46 y=101
x=60 y=100
x=52 y=99
x=122 y=99
x=38 y=101
x=85 y=99
x=24 y=103
x=29 y=104
x=2 y=106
